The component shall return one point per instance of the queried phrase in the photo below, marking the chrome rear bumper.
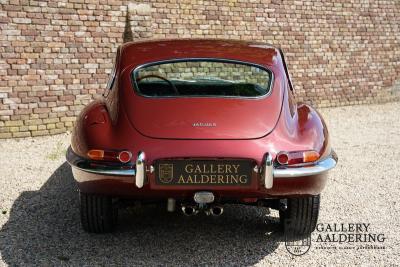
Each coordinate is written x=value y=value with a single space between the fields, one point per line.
x=319 y=167
x=87 y=165
x=268 y=171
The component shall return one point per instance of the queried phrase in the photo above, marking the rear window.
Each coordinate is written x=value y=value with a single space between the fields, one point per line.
x=202 y=78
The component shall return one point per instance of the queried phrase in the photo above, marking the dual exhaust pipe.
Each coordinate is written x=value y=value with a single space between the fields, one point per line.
x=193 y=210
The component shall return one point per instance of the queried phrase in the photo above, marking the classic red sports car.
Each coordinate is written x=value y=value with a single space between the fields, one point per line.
x=199 y=124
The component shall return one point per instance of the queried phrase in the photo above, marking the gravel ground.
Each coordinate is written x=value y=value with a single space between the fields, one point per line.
x=39 y=217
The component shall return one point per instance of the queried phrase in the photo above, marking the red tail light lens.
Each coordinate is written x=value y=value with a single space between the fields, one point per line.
x=282 y=158
x=297 y=157
x=107 y=155
x=125 y=156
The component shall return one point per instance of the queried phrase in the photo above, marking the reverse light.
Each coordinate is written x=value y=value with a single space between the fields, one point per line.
x=123 y=156
x=297 y=157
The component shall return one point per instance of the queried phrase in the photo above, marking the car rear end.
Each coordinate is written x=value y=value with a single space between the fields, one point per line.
x=200 y=132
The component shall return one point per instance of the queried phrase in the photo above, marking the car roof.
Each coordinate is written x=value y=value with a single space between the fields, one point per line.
x=142 y=52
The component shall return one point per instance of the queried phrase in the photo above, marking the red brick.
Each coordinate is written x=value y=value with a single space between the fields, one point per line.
x=41 y=110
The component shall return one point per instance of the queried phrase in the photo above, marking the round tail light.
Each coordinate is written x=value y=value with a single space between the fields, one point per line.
x=125 y=156
x=282 y=158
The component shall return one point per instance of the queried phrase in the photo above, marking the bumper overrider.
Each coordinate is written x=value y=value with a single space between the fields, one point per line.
x=268 y=170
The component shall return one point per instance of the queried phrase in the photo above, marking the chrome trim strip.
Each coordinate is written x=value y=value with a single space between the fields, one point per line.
x=86 y=165
x=268 y=169
x=133 y=76
x=318 y=168
x=119 y=172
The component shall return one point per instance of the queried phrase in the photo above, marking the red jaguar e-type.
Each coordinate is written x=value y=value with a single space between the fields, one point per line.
x=199 y=124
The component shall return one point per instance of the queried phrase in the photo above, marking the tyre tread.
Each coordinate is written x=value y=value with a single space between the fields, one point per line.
x=97 y=213
x=301 y=215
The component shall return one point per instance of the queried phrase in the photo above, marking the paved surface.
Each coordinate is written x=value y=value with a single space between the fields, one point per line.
x=39 y=220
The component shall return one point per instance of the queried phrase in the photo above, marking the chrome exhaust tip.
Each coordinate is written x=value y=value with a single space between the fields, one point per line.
x=216 y=210
x=189 y=210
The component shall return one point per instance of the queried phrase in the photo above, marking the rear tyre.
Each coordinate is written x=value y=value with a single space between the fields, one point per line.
x=301 y=216
x=98 y=215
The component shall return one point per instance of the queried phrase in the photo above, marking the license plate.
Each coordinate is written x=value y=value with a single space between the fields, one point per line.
x=203 y=172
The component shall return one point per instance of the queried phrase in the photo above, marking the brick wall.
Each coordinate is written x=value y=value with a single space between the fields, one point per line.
x=55 y=56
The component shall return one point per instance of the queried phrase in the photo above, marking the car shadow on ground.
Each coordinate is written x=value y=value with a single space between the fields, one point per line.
x=44 y=229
